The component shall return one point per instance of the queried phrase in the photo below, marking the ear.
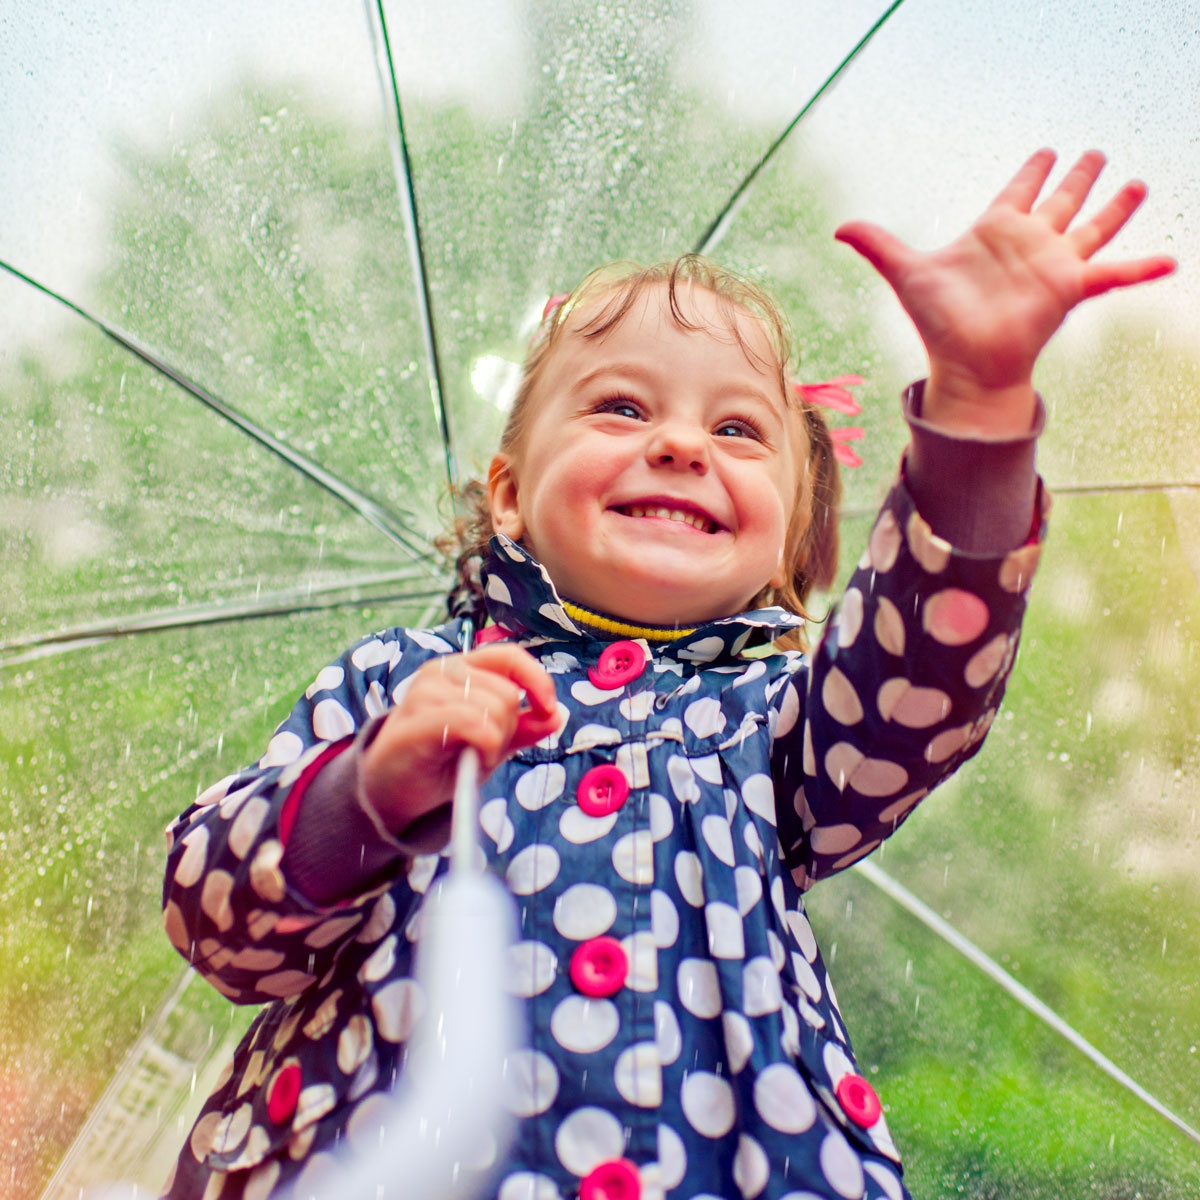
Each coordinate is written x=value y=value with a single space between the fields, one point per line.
x=503 y=499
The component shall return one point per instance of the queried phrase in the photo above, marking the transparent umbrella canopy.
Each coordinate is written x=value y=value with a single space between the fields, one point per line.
x=205 y=503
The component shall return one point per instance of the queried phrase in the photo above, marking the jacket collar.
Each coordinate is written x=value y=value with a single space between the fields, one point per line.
x=521 y=597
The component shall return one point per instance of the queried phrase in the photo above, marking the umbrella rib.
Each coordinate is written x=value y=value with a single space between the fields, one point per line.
x=716 y=231
x=406 y=186
x=372 y=512
x=280 y=604
x=1100 y=489
x=897 y=892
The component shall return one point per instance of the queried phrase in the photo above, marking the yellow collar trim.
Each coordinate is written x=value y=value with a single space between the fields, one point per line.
x=652 y=633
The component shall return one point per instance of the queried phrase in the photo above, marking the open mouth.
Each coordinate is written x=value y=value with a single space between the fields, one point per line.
x=664 y=512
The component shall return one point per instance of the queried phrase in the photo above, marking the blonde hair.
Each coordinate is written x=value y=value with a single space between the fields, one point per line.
x=811 y=543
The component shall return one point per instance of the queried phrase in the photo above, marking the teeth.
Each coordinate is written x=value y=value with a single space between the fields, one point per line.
x=695 y=520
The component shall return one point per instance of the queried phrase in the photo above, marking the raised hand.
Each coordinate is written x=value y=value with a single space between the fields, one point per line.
x=987 y=304
x=498 y=699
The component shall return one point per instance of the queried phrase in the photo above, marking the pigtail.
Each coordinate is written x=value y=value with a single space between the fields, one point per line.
x=817 y=555
x=812 y=539
x=467 y=545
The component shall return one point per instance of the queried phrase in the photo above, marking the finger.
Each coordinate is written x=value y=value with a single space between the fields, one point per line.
x=436 y=736
x=452 y=675
x=521 y=668
x=440 y=685
x=1105 y=225
x=413 y=755
x=1062 y=206
x=531 y=728
x=886 y=253
x=1104 y=277
x=486 y=692
x=1025 y=186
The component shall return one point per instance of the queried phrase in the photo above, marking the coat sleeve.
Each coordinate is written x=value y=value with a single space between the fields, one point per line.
x=229 y=905
x=900 y=691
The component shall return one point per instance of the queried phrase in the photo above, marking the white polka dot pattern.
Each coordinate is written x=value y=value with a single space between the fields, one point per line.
x=725 y=938
x=532 y=1080
x=698 y=989
x=584 y=910
x=749 y=779
x=840 y=699
x=638 y=1076
x=708 y=1104
x=890 y=631
x=587 y=1137
x=842 y=1167
x=751 y=1168
x=954 y=617
x=739 y=1040
x=584 y=1025
x=532 y=869
x=912 y=707
x=532 y=968
x=931 y=551
x=672 y=1156
x=667 y=1036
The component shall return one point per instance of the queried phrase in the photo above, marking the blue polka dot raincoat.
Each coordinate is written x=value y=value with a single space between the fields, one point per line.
x=684 y=1039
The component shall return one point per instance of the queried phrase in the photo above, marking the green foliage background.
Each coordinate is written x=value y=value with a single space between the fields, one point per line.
x=264 y=255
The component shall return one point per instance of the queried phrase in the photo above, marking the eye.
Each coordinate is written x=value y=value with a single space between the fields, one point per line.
x=620 y=406
x=739 y=427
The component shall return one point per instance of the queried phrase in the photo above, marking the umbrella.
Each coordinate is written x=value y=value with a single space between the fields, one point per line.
x=220 y=188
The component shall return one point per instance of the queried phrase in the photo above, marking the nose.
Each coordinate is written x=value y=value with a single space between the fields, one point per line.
x=680 y=445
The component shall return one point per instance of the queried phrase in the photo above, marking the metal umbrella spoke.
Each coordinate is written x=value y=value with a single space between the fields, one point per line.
x=406 y=188
x=402 y=587
x=982 y=961
x=717 y=228
x=387 y=522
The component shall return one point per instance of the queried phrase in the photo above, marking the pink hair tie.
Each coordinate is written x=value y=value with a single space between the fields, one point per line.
x=843 y=453
x=833 y=395
x=554 y=304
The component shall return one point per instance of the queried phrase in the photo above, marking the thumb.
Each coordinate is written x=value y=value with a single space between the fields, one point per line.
x=887 y=254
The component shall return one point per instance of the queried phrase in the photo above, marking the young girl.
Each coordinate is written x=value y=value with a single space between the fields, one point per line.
x=657 y=798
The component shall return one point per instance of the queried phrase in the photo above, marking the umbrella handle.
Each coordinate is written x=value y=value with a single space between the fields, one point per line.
x=442 y=1129
x=464 y=815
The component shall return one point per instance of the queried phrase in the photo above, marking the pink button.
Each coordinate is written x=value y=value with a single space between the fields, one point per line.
x=602 y=790
x=284 y=1094
x=599 y=967
x=858 y=1100
x=491 y=633
x=616 y=1179
x=619 y=664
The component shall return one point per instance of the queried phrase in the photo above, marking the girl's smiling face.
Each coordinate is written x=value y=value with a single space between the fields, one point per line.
x=658 y=473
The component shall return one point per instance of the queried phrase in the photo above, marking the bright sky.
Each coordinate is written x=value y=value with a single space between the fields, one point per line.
x=947 y=100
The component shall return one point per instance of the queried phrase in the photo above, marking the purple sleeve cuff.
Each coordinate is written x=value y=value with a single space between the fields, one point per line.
x=338 y=846
x=980 y=495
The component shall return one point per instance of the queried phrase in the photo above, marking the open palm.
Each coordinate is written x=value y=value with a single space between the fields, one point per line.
x=986 y=304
